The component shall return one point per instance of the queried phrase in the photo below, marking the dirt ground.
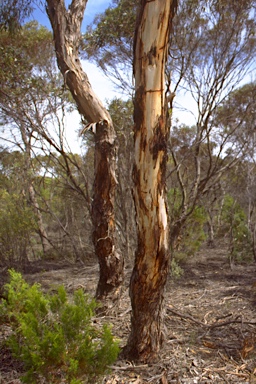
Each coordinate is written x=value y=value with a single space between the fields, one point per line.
x=210 y=323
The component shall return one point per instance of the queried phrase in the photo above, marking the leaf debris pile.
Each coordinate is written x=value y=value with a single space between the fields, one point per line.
x=210 y=324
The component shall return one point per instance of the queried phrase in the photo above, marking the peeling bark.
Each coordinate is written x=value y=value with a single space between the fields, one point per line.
x=110 y=260
x=151 y=135
x=66 y=26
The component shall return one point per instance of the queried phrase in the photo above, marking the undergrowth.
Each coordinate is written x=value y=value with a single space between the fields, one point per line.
x=55 y=337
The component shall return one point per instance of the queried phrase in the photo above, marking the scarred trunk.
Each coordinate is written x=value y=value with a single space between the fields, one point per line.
x=151 y=135
x=110 y=260
x=66 y=26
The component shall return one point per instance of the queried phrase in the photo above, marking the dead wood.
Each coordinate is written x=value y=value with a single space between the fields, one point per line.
x=214 y=325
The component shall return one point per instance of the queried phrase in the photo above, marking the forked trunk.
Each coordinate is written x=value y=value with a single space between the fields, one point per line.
x=66 y=26
x=151 y=135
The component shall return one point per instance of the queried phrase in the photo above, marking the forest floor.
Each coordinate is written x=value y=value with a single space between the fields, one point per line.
x=210 y=323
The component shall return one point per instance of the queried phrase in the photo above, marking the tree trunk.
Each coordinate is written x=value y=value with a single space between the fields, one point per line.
x=41 y=228
x=31 y=190
x=151 y=135
x=110 y=260
x=211 y=238
x=66 y=26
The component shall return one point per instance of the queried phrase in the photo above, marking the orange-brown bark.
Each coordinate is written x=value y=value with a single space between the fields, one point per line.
x=66 y=26
x=151 y=135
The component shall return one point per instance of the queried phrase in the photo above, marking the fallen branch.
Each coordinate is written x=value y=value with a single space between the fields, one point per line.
x=211 y=326
x=127 y=367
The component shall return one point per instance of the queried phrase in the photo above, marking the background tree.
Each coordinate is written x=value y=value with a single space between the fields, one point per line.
x=17 y=219
x=23 y=96
x=209 y=64
x=13 y=13
x=236 y=118
x=33 y=105
x=113 y=52
x=122 y=116
x=212 y=49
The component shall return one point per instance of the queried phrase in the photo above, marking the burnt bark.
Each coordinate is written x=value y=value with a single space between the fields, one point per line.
x=66 y=25
x=151 y=135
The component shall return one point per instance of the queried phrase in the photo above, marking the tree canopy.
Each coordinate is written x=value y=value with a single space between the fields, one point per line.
x=13 y=13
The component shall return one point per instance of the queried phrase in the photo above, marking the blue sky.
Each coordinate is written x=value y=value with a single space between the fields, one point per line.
x=92 y=9
x=101 y=85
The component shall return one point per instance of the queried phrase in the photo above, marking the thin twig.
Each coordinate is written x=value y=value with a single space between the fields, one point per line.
x=210 y=326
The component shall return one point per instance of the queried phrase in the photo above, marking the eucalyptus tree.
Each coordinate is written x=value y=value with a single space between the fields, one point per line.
x=108 y=42
x=17 y=219
x=151 y=133
x=33 y=104
x=122 y=115
x=150 y=145
x=236 y=118
x=13 y=13
x=66 y=25
x=212 y=51
x=22 y=97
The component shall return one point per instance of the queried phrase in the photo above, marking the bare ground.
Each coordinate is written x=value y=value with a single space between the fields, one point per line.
x=210 y=323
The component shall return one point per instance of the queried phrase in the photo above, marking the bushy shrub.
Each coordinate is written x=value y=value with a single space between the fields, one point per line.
x=176 y=270
x=17 y=223
x=234 y=226
x=56 y=337
x=192 y=235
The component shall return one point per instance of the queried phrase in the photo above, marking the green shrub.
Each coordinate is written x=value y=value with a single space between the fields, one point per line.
x=176 y=270
x=234 y=224
x=17 y=223
x=192 y=233
x=54 y=337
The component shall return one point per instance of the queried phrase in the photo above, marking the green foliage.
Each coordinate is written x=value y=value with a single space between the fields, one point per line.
x=19 y=55
x=16 y=225
x=111 y=29
x=56 y=337
x=239 y=110
x=234 y=223
x=192 y=233
x=13 y=13
x=109 y=41
x=122 y=115
x=176 y=270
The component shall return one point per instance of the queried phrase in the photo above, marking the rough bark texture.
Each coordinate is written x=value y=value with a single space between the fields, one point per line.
x=110 y=260
x=151 y=135
x=66 y=26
